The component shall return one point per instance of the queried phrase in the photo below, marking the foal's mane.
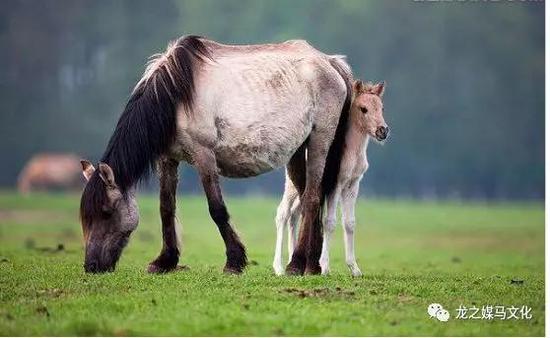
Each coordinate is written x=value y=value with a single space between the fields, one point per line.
x=147 y=126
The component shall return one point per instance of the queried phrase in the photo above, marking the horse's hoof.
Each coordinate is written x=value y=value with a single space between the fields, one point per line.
x=229 y=270
x=357 y=273
x=156 y=269
x=293 y=271
x=313 y=270
x=167 y=261
x=152 y=268
x=296 y=267
x=158 y=266
x=279 y=271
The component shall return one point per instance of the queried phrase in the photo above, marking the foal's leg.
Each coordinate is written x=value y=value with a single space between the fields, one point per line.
x=168 y=258
x=349 y=198
x=284 y=213
x=205 y=162
x=328 y=229
x=293 y=227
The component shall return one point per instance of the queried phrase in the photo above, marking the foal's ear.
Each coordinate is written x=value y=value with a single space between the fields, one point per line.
x=357 y=86
x=378 y=88
x=87 y=169
x=106 y=174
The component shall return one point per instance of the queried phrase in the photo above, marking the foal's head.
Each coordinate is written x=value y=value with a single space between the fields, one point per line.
x=367 y=109
x=108 y=218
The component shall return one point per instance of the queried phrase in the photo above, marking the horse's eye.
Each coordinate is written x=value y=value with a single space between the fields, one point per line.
x=364 y=110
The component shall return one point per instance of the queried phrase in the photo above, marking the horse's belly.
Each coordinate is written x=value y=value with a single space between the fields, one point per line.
x=258 y=152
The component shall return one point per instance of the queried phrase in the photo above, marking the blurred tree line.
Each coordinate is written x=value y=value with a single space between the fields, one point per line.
x=465 y=95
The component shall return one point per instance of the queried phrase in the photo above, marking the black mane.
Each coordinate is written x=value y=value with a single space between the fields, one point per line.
x=147 y=127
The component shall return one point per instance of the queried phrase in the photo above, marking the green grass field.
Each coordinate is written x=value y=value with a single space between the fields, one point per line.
x=411 y=253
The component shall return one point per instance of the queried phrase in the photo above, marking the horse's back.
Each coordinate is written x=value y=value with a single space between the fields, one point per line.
x=298 y=46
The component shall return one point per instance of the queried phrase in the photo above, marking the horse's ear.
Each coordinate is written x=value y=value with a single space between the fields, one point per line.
x=87 y=169
x=357 y=86
x=378 y=88
x=106 y=174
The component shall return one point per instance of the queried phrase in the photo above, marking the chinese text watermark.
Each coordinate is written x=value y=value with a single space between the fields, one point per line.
x=485 y=312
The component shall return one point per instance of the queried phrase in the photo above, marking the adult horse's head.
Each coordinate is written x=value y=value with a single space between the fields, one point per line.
x=108 y=217
x=367 y=109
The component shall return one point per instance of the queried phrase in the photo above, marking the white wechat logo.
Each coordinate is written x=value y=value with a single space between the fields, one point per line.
x=437 y=311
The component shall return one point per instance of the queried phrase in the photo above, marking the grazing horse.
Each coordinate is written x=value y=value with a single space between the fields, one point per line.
x=366 y=120
x=50 y=172
x=235 y=111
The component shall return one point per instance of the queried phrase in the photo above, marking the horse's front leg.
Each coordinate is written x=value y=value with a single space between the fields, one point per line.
x=205 y=162
x=349 y=198
x=169 y=255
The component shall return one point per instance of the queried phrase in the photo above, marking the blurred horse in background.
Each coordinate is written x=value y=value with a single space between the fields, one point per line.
x=45 y=172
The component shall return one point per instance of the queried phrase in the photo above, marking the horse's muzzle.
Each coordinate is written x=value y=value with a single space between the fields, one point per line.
x=93 y=266
x=101 y=259
x=382 y=133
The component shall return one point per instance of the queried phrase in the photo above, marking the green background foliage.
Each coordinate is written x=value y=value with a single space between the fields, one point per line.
x=465 y=96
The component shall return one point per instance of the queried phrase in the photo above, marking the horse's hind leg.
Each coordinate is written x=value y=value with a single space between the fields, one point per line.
x=308 y=250
x=169 y=256
x=205 y=162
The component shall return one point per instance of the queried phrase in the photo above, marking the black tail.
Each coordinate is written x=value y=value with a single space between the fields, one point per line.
x=336 y=150
x=147 y=127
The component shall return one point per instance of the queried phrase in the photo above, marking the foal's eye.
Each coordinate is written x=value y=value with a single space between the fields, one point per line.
x=364 y=110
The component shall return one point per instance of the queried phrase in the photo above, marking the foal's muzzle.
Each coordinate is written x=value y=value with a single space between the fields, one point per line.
x=382 y=133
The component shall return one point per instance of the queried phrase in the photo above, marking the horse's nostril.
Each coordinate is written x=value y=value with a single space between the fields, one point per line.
x=382 y=132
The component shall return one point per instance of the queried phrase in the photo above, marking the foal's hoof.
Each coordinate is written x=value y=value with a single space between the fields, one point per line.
x=356 y=273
